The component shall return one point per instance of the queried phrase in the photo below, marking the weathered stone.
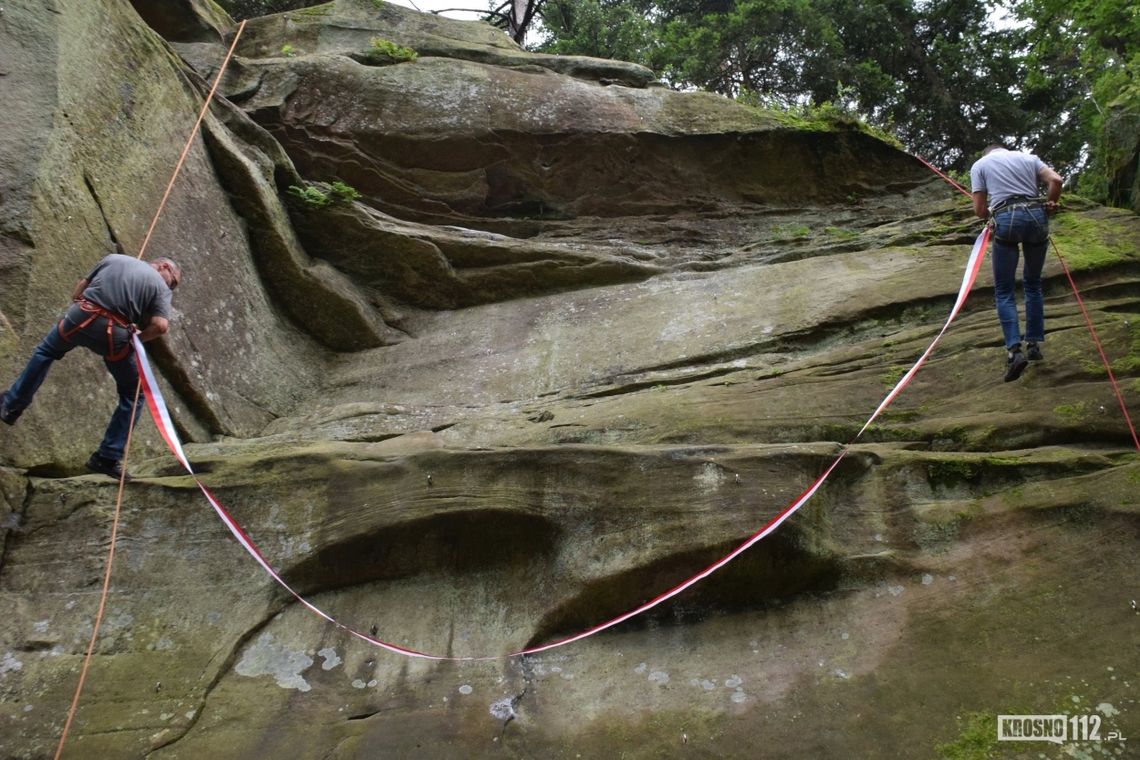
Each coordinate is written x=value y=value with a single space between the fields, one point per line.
x=191 y=21
x=348 y=27
x=565 y=352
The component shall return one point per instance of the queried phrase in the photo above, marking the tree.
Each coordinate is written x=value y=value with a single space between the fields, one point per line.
x=1084 y=58
x=516 y=16
x=935 y=73
x=614 y=29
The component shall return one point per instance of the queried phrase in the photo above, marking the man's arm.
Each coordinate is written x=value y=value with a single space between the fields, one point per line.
x=155 y=327
x=79 y=288
x=980 y=209
x=1053 y=192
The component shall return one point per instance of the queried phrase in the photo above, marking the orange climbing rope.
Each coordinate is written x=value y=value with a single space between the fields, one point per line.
x=127 y=449
x=190 y=142
x=106 y=586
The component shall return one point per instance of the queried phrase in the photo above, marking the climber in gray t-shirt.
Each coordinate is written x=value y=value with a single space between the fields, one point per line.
x=131 y=288
x=1006 y=190
x=121 y=295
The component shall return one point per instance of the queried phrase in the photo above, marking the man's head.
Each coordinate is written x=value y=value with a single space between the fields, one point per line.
x=170 y=271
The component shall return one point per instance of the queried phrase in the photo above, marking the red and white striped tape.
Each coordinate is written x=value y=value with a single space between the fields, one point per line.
x=162 y=420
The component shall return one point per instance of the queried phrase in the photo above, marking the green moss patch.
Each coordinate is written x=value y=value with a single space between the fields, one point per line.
x=977 y=738
x=1088 y=242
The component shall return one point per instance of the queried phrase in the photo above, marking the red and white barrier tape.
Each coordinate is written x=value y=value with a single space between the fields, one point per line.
x=161 y=415
x=973 y=266
x=162 y=420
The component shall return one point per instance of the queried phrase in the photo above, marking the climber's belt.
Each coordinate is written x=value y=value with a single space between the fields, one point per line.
x=94 y=312
x=1025 y=201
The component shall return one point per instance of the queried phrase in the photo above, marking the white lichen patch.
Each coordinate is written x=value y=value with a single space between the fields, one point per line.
x=465 y=689
x=266 y=657
x=503 y=709
x=1107 y=710
x=710 y=478
x=9 y=664
x=659 y=677
x=331 y=659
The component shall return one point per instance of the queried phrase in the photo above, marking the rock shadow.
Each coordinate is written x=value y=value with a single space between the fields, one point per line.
x=453 y=544
x=778 y=568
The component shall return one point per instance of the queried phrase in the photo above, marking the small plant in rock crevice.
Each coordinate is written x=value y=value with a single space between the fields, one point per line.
x=385 y=51
x=343 y=192
x=316 y=198
x=311 y=196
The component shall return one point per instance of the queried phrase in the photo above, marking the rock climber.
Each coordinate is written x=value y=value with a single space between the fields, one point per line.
x=120 y=296
x=1006 y=189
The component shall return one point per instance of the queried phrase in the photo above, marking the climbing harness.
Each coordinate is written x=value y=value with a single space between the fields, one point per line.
x=96 y=312
x=1018 y=201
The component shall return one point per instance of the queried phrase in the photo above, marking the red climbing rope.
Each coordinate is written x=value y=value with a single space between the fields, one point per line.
x=1080 y=303
x=1099 y=347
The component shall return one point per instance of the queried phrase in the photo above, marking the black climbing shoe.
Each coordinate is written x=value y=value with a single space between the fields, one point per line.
x=1033 y=351
x=110 y=467
x=8 y=415
x=1016 y=365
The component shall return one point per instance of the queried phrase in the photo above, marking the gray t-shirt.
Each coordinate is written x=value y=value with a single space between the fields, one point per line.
x=1004 y=174
x=130 y=288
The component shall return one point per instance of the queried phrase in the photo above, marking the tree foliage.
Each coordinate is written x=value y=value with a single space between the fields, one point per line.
x=1084 y=62
x=942 y=76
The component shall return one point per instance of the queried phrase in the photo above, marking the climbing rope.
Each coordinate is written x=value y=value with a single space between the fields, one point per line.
x=1099 y=347
x=109 y=563
x=190 y=141
x=106 y=587
x=1080 y=303
x=162 y=419
x=161 y=416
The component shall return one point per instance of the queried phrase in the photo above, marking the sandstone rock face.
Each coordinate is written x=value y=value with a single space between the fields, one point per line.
x=578 y=337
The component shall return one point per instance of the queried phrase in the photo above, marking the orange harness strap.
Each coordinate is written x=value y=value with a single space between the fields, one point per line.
x=95 y=311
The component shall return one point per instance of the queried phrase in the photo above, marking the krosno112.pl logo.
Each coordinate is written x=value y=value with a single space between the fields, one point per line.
x=1054 y=728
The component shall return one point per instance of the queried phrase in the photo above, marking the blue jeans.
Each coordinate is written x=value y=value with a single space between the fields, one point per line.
x=1027 y=226
x=94 y=337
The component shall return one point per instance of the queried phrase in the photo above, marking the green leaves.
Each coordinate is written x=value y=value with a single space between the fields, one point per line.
x=599 y=28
